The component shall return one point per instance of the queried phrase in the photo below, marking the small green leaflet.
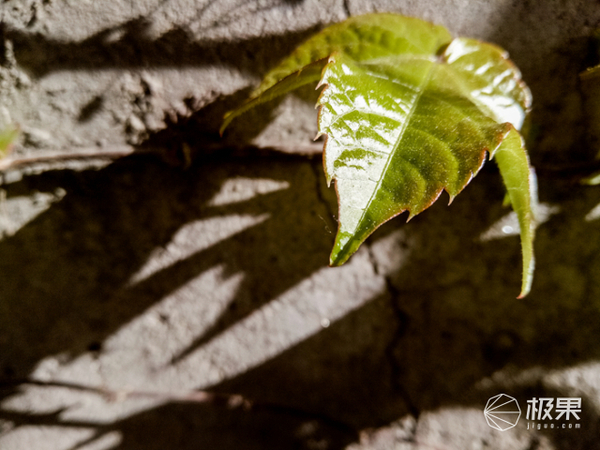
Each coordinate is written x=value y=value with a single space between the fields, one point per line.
x=408 y=113
x=7 y=136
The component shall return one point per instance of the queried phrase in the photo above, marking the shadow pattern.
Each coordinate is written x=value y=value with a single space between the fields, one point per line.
x=454 y=317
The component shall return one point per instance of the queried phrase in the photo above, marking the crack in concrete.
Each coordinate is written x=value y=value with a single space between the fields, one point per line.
x=399 y=314
x=373 y=262
x=401 y=319
x=395 y=367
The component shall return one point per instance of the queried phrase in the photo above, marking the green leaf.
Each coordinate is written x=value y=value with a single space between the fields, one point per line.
x=521 y=187
x=429 y=133
x=361 y=37
x=311 y=73
x=408 y=113
x=7 y=137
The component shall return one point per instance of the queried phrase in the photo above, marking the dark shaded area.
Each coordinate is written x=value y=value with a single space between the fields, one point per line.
x=89 y=244
x=128 y=46
x=195 y=426
x=448 y=338
x=196 y=137
x=551 y=63
x=91 y=108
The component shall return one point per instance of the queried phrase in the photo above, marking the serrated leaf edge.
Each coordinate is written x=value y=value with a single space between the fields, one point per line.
x=503 y=130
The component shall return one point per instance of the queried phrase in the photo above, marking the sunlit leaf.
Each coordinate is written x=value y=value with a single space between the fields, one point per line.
x=408 y=113
x=363 y=37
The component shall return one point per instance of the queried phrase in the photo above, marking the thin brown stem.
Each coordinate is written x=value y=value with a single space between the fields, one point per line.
x=12 y=162
x=124 y=394
x=194 y=396
x=188 y=155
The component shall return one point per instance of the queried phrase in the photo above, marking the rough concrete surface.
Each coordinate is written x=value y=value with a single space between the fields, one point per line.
x=129 y=289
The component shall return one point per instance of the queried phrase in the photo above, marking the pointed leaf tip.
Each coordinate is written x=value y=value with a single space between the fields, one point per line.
x=402 y=129
x=521 y=186
x=407 y=112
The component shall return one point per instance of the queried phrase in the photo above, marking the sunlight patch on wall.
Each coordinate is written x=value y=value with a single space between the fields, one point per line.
x=240 y=189
x=508 y=225
x=204 y=233
x=16 y=212
x=287 y=320
x=594 y=214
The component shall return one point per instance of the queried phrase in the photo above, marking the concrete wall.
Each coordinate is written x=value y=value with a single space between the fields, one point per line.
x=126 y=286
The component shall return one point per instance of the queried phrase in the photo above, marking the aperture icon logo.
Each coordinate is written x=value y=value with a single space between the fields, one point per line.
x=502 y=412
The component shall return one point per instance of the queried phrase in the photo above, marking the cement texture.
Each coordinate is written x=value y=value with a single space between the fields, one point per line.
x=179 y=297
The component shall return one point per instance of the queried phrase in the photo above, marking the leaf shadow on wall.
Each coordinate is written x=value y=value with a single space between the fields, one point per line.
x=128 y=46
x=76 y=259
x=448 y=320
